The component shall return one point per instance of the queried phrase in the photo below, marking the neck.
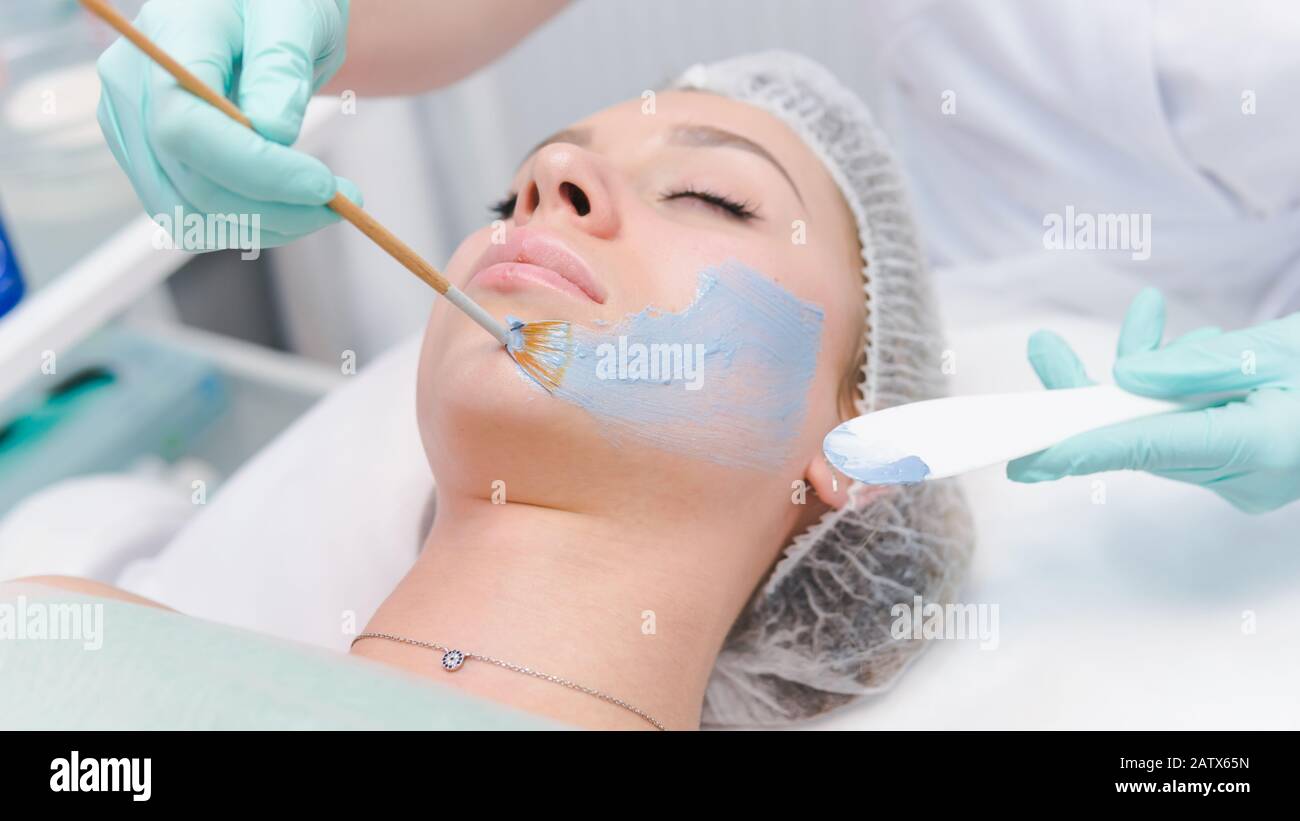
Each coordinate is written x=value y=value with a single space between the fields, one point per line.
x=637 y=611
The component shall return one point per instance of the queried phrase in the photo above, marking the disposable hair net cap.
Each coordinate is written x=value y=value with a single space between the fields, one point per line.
x=817 y=634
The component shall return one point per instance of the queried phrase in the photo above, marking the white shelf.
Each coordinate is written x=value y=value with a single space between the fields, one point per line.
x=103 y=284
x=254 y=363
x=81 y=300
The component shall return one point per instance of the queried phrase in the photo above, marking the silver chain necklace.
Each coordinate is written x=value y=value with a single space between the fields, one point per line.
x=452 y=660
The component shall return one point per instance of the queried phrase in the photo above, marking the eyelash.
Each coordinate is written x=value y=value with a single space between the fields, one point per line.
x=504 y=209
x=741 y=210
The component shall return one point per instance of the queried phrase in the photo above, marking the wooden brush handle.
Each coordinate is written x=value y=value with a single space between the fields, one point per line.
x=104 y=11
x=340 y=204
x=398 y=250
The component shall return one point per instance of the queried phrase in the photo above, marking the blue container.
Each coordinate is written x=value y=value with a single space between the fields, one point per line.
x=11 y=282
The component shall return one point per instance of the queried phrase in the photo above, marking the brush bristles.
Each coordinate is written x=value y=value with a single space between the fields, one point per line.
x=542 y=350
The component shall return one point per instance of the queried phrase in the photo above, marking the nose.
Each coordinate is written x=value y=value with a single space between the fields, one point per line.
x=567 y=184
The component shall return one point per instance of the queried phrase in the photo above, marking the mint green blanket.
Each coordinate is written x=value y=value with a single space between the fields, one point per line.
x=72 y=661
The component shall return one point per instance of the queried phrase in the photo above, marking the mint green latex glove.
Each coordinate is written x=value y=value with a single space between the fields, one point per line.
x=1247 y=451
x=268 y=57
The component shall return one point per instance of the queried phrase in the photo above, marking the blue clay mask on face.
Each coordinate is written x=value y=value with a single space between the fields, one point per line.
x=724 y=380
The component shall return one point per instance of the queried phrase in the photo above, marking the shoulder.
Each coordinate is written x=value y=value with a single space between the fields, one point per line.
x=90 y=588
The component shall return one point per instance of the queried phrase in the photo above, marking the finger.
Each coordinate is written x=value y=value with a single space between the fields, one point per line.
x=1144 y=324
x=185 y=130
x=1055 y=362
x=207 y=197
x=120 y=92
x=205 y=40
x=1238 y=360
x=202 y=36
x=195 y=135
x=264 y=233
x=276 y=80
x=349 y=189
x=1186 y=440
x=1197 y=335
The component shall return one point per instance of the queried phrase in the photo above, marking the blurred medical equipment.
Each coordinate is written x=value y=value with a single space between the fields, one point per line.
x=158 y=478
x=109 y=403
x=11 y=279
x=61 y=188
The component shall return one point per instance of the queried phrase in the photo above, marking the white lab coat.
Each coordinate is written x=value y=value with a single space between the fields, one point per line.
x=1186 y=110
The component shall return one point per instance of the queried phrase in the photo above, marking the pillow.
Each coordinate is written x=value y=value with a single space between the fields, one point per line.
x=118 y=518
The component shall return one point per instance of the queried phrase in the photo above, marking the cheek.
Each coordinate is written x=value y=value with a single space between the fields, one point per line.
x=675 y=255
x=835 y=390
x=690 y=252
x=726 y=379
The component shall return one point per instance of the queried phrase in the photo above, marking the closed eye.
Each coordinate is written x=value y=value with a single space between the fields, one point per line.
x=740 y=210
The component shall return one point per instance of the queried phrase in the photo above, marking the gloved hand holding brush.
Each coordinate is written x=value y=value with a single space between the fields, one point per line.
x=181 y=152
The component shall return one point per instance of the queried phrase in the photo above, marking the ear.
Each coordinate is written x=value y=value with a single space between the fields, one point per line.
x=832 y=487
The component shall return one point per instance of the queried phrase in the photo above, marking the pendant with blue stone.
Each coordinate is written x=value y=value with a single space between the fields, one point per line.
x=452 y=660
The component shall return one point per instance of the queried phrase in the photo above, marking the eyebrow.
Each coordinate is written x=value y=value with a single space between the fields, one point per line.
x=691 y=136
x=707 y=136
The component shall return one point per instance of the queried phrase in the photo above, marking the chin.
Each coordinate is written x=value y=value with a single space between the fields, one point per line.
x=482 y=420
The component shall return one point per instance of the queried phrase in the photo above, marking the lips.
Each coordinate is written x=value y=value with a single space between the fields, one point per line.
x=530 y=258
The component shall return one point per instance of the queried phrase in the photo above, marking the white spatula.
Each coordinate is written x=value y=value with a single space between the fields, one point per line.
x=938 y=438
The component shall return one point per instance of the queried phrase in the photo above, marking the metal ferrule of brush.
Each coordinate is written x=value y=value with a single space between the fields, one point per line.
x=475 y=312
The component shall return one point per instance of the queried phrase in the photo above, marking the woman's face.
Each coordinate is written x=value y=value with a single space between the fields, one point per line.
x=619 y=213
